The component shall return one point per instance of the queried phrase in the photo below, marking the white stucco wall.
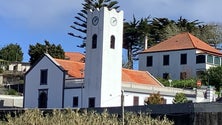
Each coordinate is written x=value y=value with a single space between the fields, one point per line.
x=104 y=64
x=144 y=91
x=174 y=68
x=129 y=98
x=54 y=85
x=69 y=94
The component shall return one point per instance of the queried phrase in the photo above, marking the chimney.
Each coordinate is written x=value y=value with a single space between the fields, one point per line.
x=145 y=42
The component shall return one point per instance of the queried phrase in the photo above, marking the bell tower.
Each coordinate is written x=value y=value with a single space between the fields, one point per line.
x=103 y=67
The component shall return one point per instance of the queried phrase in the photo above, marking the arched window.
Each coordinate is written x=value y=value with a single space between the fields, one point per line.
x=94 y=41
x=43 y=96
x=112 y=42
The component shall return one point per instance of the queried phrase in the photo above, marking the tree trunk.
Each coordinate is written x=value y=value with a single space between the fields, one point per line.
x=130 y=59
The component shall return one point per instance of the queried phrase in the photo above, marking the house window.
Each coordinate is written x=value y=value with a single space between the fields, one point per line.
x=165 y=75
x=217 y=60
x=149 y=61
x=91 y=102
x=112 y=42
x=183 y=59
x=183 y=75
x=209 y=59
x=200 y=59
x=43 y=76
x=94 y=41
x=135 y=100
x=166 y=60
x=199 y=73
x=75 y=101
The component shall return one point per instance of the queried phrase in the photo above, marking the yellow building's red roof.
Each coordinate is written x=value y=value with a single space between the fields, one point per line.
x=182 y=41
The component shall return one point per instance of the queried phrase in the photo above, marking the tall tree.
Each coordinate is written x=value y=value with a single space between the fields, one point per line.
x=163 y=28
x=187 y=26
x=210 y=33
x=80 y=23
x=144 y=29
x=11 y=52
x=131 y=40
x=136 y=34
x=157 y=29
x=36 y=51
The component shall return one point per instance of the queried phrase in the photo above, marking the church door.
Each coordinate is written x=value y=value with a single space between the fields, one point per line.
x=43 y=96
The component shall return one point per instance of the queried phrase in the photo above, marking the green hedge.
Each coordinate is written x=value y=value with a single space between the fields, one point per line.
x=188 y=83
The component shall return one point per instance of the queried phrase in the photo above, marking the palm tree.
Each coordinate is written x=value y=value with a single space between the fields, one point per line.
x=80 y=23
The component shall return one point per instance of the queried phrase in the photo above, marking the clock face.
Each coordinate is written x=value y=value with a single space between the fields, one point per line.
x=113 y=21
x=95 y=20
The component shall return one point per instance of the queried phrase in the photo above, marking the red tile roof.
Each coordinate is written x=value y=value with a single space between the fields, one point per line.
x=182 y=41
x=140 y=77
x=76 y=70
x=74 y=56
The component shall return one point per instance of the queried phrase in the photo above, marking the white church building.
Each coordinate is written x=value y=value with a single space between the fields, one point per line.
x=56 y=83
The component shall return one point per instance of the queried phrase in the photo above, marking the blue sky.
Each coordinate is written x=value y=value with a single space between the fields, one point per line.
x=27 y=22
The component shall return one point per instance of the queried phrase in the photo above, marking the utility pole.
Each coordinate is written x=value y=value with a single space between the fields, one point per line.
x=122 y=105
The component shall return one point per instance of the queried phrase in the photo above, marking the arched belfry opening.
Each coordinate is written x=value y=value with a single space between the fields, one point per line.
x=94 y=41
x=112 y=42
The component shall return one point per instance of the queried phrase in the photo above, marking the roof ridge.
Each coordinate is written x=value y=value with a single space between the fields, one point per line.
x=195 y=42
x=75 y=52
x=69 y=61
x=133 y=70
x=182 y=41
x=154 y=78
x=189 y=35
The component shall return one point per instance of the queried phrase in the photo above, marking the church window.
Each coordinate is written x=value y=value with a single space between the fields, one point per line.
x=75 y=101
x=112 y=42
x=43 y=97
x=43 y=76
x=91 y=102
x=94 y=41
